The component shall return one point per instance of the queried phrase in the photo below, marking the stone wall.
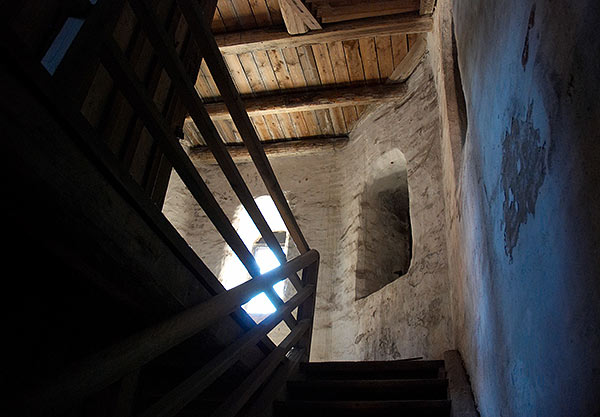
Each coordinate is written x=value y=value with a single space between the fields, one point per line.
x=522 y=211
x=311 y=184
x=328 y=193
x=411 y=315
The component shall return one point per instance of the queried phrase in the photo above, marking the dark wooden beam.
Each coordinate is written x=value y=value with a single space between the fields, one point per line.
x=331 y=11
x=252 y=40
x=289 y=102
x=239 y=153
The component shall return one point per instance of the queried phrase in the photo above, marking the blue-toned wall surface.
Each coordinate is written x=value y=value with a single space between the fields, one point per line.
x=526 y=296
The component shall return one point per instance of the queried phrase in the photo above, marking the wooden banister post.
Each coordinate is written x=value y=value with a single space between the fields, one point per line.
x=184 y=85
x=210 y=50
x=306 y=311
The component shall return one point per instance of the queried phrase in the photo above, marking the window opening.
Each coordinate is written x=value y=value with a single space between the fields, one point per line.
x=233 y=273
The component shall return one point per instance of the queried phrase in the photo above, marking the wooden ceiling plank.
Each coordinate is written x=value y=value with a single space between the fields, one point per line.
x=275 y=12
x=287 y=126
x=290 y=55
x=292 y=60
x=237 y=138
x=323 y=61
x=368 y=54
x=257 y=85
x=274 y=125
x=280 y=69
x=219 y=126
x=302 y=129
x=261 y=12
x=265 y=69
x=384 y=56
x=356 y=71
x=244 y=13
x=237 y=74
x=399 y=48
x=261 y=128
x=325 y=122
x=309 y=65
x=340 y=70
x=412 y=38
x=338 y=121
x=229 y=16
x=291 y=124
x=217 y=25
x=201 y=85
x=237 y=42
x=226 y=130
x=410 y=61
x=209 y=80
x=326 y=71
x=252 y=73
x=354 y=60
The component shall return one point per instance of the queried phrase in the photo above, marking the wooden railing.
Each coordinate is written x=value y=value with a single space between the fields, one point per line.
x=110 y=365
x=95 y=41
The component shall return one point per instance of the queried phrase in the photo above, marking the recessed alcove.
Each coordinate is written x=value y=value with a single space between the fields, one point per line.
x=385 y=238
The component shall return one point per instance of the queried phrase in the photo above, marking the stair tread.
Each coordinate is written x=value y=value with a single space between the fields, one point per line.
x=367 y=383
x=366 y=404
x=360 y=408
x=372 y=366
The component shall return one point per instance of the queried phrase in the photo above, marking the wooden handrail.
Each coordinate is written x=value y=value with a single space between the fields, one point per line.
x=210 y=51
x=39 y=79
x=170 y=404
x=176 y=70
x=240 y=396
x=115 y=62
x=119 y=360
x=95 y=44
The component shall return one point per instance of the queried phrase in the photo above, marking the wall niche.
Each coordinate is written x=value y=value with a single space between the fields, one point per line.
x=385 y=237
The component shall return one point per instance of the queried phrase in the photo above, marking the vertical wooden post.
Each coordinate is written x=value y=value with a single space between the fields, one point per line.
x=306 y=311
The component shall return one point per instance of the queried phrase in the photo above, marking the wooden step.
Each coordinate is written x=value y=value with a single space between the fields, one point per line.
x=358 y=389
x=432 y=408
x=373 y=370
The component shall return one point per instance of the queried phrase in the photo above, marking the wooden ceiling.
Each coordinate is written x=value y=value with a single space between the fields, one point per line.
x=311 y=85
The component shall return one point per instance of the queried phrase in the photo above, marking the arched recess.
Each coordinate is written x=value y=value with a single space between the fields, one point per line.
x=385 y=237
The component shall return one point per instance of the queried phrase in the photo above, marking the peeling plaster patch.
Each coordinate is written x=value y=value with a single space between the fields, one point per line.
x=524 y=169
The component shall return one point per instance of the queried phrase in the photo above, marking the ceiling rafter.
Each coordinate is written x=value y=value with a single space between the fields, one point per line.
x=316 y=99
x=261 y=39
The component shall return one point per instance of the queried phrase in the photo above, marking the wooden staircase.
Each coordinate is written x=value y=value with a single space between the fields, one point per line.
x=400 y=388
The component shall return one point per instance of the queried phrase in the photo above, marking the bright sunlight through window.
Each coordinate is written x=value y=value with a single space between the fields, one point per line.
x=234 y=273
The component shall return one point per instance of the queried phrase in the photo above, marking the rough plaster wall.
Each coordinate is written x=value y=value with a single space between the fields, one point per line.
x=410 y=316
x=385 y=239
x=311 y=185
x=525 y=214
